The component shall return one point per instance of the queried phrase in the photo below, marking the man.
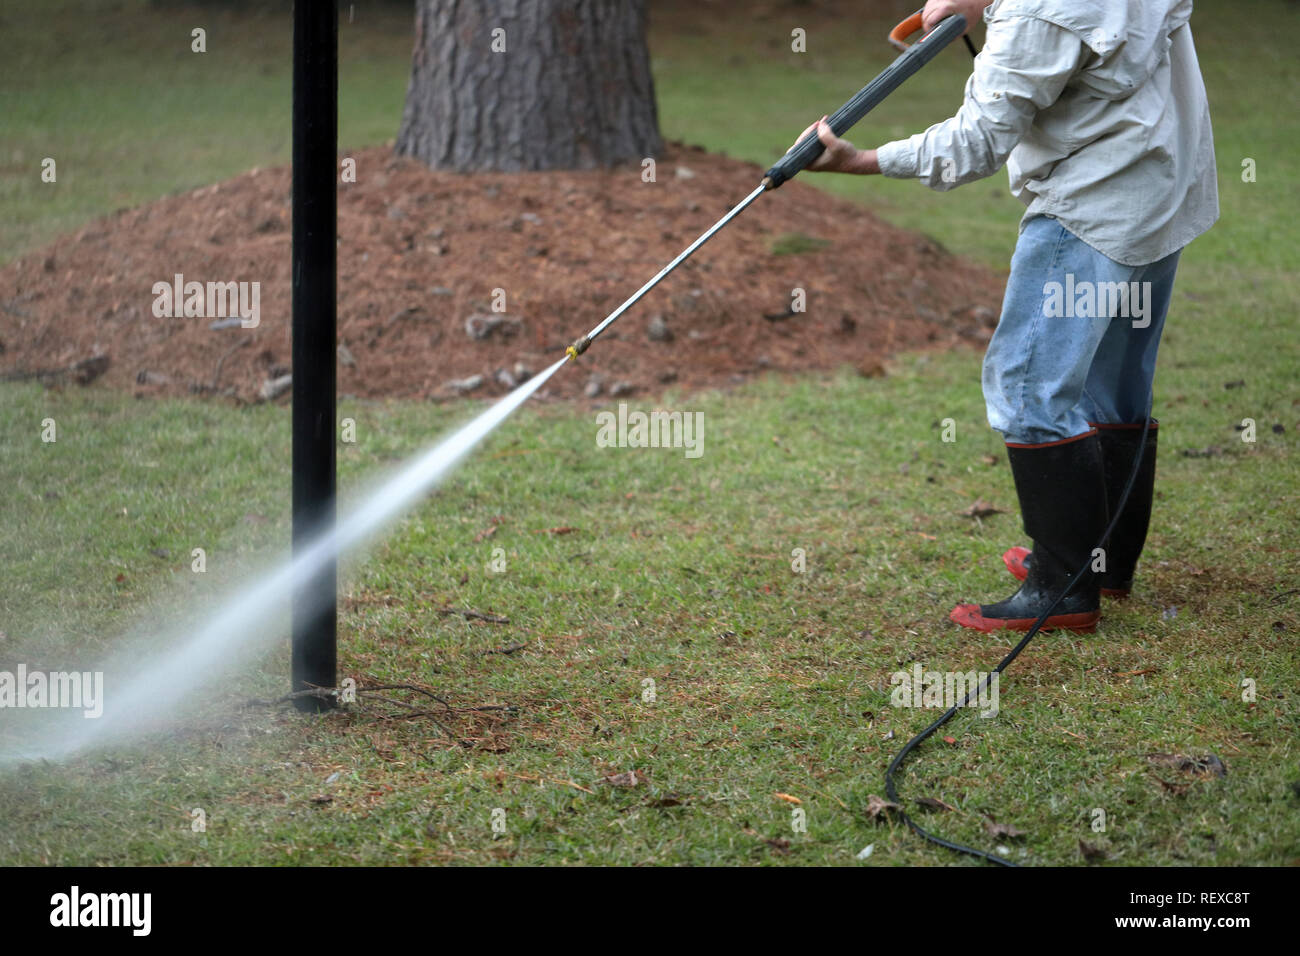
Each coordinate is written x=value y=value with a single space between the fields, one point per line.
x=1099 y=112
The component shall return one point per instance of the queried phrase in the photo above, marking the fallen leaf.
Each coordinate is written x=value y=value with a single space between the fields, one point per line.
x=878 y=805
x=1214 y=765
x=1210 y=763
x=980 y=509
x=563 y=529
x=628 y=779
x=1000 y=830
x=934 y=803
x=485 y=533
x=950 y=740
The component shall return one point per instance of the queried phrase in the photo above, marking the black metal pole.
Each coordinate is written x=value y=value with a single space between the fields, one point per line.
x=315 y=143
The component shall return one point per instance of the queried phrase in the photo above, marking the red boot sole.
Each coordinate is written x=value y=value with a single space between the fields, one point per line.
x=968 y=615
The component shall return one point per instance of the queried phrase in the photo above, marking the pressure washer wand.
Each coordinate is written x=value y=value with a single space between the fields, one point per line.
x=580 y=346
x=810 y=147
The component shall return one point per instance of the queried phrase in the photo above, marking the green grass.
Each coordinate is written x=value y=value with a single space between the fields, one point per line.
x=679 y=571
x=796 y=243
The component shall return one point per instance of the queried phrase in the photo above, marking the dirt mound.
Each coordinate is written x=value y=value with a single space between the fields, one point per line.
x=446 y=278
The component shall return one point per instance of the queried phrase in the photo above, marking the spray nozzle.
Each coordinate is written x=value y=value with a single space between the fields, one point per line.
x=577 y=348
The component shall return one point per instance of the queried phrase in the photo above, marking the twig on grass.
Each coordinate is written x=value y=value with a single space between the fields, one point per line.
x=474 y=615
x=559 y=780
x=843 y=805
x=508 y=649
x=507 y=708
x=369 y=688
x=419 y=713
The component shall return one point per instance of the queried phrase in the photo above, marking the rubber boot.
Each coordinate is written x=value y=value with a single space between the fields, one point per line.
x=1062 y=492
x=1119 y=443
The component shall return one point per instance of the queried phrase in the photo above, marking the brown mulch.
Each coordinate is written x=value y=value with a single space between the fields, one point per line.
x=420 y=252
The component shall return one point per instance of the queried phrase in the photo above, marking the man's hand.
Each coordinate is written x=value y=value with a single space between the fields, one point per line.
x=936 y=10
x=839 y=155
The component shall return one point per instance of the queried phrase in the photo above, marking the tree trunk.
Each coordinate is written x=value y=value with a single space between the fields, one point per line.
x=513 y=85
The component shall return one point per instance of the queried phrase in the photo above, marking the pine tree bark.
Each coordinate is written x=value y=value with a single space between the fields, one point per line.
x=514 y=85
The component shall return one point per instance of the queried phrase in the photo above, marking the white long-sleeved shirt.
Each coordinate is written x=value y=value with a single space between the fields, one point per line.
x=1098 y=111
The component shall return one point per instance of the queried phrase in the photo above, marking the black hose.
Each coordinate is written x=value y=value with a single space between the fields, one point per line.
x=890 y=789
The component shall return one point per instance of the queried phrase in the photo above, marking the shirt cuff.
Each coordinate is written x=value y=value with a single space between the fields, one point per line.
x=898 y=160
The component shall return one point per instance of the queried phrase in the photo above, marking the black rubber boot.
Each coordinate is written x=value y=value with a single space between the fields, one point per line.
x=1062 y=494
x=1119 y=444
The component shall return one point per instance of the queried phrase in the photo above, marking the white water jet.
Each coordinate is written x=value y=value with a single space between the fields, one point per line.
x=160 y=685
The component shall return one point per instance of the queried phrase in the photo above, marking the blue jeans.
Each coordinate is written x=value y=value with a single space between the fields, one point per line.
x=1077 y=339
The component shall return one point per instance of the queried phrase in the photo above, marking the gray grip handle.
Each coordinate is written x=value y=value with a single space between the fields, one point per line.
x=868 y=98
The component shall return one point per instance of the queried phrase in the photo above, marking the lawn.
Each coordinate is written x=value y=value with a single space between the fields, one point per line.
x=666 y=633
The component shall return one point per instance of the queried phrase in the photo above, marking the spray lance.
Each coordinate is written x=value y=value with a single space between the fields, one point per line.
x=914 y=56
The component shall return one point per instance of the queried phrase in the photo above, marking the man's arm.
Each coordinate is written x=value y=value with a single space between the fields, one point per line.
x=1025 y=65
x=841 y=156
x=1022 y=69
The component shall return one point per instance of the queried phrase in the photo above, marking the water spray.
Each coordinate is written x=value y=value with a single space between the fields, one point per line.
x=194 y=658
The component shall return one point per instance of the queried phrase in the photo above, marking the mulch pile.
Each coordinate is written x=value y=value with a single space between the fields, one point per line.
x=421 y=255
